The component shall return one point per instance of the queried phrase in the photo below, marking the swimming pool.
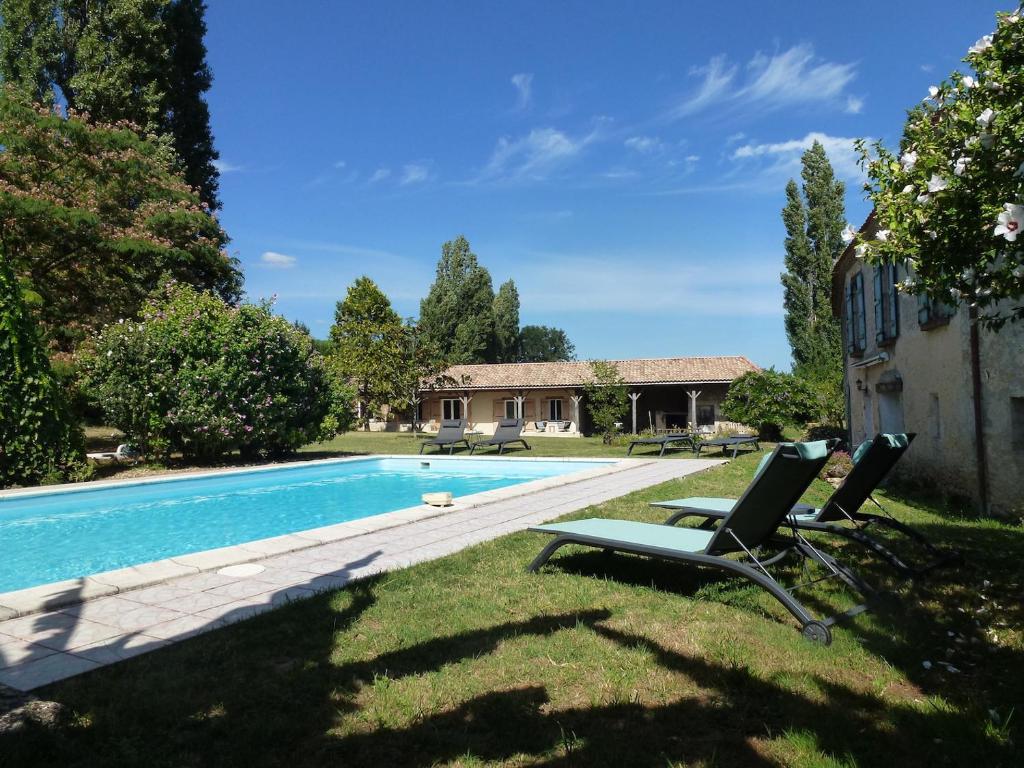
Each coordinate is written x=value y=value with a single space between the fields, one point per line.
x=52 y=536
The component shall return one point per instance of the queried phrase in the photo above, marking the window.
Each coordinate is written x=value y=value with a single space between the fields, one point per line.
x=932 y=313
x=555 y=410
x=705 y=415
x=934 y=417
x=887 y=303
x=510 y=409
x=856 y=328
x=1017 y=423
x=451 y=409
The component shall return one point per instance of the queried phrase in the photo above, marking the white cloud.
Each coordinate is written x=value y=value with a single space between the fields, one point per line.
x=523 y=83
x=622 y=281
x=276 y=260
x=927 y=67
x=644 y=144
x=795 y=76
x=223 y=166
x=339 y=164
x=533 y=156
x=854 y=105
x=784 y=156
x=379 y=175
x=414 y=173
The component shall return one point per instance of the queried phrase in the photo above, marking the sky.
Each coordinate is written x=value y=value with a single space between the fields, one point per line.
x=625 y=163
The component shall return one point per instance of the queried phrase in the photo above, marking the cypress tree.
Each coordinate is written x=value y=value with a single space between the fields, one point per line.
x=506 y=323
x=814 y=222
x=457 y=316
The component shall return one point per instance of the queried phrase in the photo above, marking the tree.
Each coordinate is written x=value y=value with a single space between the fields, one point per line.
x=814 y=225
x=93 y=214
x=950 y=206
x=457 y=316
x=39 y=441
x=372 y=348
x=606 y=396
x=506 y=323
x=543 y=344
x=138 y=60
x=198 y=376
x=769 y=400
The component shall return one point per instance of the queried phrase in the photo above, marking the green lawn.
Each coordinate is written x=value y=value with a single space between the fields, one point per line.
x=597 y=660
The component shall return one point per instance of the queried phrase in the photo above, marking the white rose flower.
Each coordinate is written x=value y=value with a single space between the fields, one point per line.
x=936 y=183
x=848 y=234
x=860 y=251
x=967 y=81
x=908 y=190
x=985 y=118
x=961 y=165
x=1010 y=221
x=908 y=160
x=923 y=198
x=981 y=45
x=883 y=234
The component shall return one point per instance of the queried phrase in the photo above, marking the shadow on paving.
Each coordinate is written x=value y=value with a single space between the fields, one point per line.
x=296 y=697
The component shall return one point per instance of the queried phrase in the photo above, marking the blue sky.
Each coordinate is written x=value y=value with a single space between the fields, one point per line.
x=623 y=162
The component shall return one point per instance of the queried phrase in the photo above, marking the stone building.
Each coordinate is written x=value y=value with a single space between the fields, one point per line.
x=917 y=366
x=665 y=394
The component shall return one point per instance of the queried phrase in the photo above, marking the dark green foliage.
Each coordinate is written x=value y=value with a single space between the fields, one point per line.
x=606 y=398
x=457 y=316
x=506 y=323
x=814 y=225
x=543 y=344
x=138 y=60
x=198 y=376
x=92 y=215
x=769 y=400
x=39 y=441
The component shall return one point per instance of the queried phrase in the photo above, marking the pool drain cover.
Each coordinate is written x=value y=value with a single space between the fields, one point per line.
x=245 y=569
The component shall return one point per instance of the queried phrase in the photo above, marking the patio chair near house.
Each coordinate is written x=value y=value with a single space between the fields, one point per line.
x=451 y=433
x=508 y=431
x=735 y=442
x=751 y=526
x=841 y=515
x=124 y=452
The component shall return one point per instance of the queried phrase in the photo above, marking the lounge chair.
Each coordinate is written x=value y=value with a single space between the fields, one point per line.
x=451 y=433
x=752 y=523
x=872 y=462
x=735 y=442
x=685 y=440
x=508 y=431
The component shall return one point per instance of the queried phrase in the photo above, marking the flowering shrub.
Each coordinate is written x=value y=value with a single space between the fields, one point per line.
x=205 y=378
x=769 y=400
x=951 y=204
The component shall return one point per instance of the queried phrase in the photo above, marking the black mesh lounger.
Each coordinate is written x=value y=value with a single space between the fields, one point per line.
x=508 y=431
x=734 y=442
x=451 y=433
x=841 y=515
x=685 y=440
x=750 y=529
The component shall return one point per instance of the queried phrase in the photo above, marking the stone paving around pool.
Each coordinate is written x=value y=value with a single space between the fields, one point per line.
x=42 y=647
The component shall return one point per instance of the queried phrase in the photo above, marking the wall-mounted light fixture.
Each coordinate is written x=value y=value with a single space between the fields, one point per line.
x=860 y=385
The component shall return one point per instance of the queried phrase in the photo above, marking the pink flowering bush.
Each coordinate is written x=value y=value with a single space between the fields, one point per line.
x=196 y=375
x=950 y=205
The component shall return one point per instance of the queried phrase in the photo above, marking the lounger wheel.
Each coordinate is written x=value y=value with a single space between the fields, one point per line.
x=817 y=632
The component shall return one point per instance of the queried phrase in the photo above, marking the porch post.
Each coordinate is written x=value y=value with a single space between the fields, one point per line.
x=416 y=414
x=465 y=406
x=576 y=400
x=692 y=415
x=519 y=400
x=634 y=396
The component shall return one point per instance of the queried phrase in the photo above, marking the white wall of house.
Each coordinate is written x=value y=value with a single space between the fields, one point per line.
x=487 y=408
x=936 y=400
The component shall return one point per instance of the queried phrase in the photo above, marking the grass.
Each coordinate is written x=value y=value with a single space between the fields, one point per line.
x=597 y=660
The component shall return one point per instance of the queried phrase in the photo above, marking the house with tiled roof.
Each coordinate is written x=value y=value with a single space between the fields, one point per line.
x=666 y=394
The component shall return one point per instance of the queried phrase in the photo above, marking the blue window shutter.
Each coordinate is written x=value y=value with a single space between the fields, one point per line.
x=879 y=304
x=849 y=319
x=924 y=309
x=894 y=306
x=862 y=330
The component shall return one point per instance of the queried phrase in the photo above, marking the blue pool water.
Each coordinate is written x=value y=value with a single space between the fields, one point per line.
x=55 y=536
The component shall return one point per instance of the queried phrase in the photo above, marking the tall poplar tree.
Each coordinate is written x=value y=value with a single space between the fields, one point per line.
x=506 y=323
x=457 y=316
x=814 y=223
x=137 y=60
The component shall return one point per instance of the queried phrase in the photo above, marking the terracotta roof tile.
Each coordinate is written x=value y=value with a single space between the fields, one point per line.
x=664 y=370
